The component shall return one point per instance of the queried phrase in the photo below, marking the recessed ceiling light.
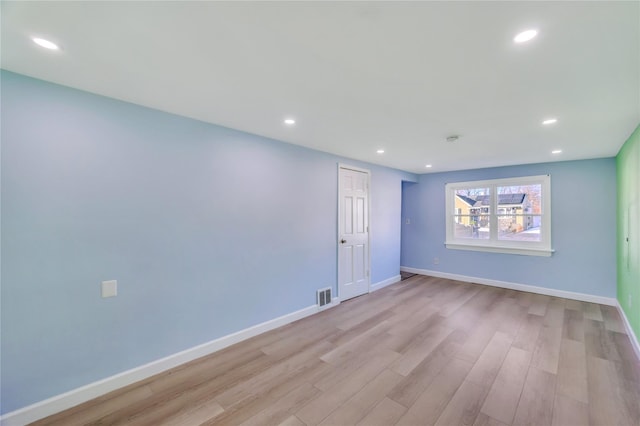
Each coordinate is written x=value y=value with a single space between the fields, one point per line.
x=45 y=43
x=428 y=166
x=525 y=36
x=380 y=151
x=556 y=151
x=550 y=121
x=289 y=121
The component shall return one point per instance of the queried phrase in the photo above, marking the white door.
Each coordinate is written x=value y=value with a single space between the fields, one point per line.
x=353 y=233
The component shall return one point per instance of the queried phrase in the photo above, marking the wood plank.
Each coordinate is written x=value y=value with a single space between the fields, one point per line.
x=546 y=353
x=567 y=411
x=612 y=319
x=464 y=406
x=407 y=310
x=598 y=342
x=592 y=311
x=502 y=401
x=516 y=314
x=417 y=318
x=539 y=304
x=573 y=327
x=357 y=345
x=297 y=342
x=401 y=341
x=411 y=386
x=96 y=409
x=420 y=349
x=527 y=335
x=538 y=395
x=387 y=412
x=322 y=406
x=353 y=355
x=572 y=371
x=607 y=404
x=292 y=421
x=276 y=375
x=486 y=368
x=623 y=346
x=525 y=299
x=474 y=310
x=364 y=400
x=485 y=420
x=554 y=317
x=574 y=305
x=283 y=408
x=452 y=305
x=624 y=394
x=361 y=328
x=477 y=341
x=194 y=415
x=231 y=363
x=435 y=398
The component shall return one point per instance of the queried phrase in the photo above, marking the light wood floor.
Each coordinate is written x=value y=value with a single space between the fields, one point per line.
x=420 y=352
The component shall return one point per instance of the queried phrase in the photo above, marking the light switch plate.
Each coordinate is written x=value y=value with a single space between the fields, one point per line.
x=109 y=288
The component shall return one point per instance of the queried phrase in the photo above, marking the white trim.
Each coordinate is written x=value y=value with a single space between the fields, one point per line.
x=355 y=169
x=499 y=249
x=382 y=284
x=368 y=173
x=494 y=244
x=335 y=301
x=583 y=297
x=66 y=400
x=632 y=336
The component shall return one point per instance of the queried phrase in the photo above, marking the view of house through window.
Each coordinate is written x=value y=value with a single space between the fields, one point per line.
x=502 y=212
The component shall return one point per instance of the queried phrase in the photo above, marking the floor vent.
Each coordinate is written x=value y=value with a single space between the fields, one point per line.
x=324 y=296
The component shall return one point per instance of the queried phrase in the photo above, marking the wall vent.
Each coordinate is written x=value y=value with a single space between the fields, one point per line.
x=323 y=296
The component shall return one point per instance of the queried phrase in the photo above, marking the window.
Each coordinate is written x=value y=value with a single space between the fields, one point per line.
x=500 y=215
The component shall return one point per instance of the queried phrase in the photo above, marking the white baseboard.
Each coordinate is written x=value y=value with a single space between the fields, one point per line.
x=85 y=393
x=632 y=336
x=382 y=284
x=515 y=286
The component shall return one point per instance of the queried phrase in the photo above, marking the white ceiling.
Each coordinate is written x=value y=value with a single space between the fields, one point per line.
x=358 y=76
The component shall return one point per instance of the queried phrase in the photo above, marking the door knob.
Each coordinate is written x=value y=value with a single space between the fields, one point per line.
x=343 y=241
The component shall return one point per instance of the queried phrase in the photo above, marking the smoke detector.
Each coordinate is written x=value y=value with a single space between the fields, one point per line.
x=452 y=138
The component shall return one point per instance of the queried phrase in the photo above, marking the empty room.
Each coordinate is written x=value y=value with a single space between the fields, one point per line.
x=320 y=213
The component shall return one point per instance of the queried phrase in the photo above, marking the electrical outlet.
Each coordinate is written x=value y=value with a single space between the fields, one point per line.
x=436 y=260
x=109 y=288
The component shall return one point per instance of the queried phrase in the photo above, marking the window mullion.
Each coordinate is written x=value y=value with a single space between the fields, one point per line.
x=493 y=218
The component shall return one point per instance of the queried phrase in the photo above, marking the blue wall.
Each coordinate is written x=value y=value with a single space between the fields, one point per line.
x=583 y=224
x=199 y=224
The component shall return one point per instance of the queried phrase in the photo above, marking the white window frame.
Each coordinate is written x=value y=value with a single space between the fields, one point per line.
x=493 y=244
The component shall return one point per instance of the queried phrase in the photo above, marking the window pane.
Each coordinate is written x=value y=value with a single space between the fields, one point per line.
x=519 y=210
x=520 y=199
x=472 y=201
x=519 y=228
x=473 y=206
x=471 y=226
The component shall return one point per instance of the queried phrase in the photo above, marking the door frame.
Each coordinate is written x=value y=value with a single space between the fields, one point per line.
x=342 y=166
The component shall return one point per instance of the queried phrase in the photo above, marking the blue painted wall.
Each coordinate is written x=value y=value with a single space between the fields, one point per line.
x=200 y=224
x=583 y=224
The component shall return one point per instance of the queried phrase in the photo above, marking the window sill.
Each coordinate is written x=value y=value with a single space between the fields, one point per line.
x=504 y=250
